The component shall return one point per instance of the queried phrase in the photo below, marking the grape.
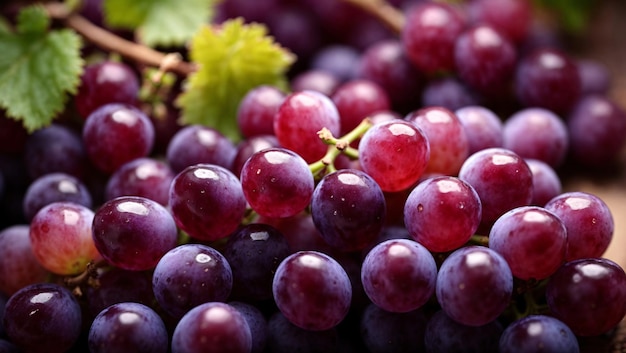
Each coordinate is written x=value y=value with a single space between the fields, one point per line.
x=8 y=347
x=145 y=177
x=255 y=115
x=338 y=59
x=444 y=335
x=446 y=137
x=588 y=295
x=399 y=275
x=285 y=337
x=118 y=286
x=395 y=154
x=502 y=180
x=538 y=333
x=13 y=135
x=196 y=144
x=597 y=130
x=485 y=59
x=312 y=290
x=60 y=234
x=288 y=24
x=128 y=327
x=448 y=92
x=207 y=201
x=315 y=80
x=513 y=18
x=115 y=134
x=251 y=11
x=474 y=285
x=54 y=187
x=212 y=327
x=356 y=100
x=246 y=148
x=55 y=148
x=18 y=265
x=43 y=317
x=301 y=115
x=547 y=78
x=103 y=83
x=532 y=239
x=546 y=182
x=594 y=77
x=429 y=35
x=588 y=220
x=442 y=200
x=348 y=208
x=132 y=232
x=383 y=331
x=537 y=133
x=256 y=322
x=277 y=182
x=300 y=232
x=254 y=252
x=189 y=275
x=483 y=127
x=3 y=303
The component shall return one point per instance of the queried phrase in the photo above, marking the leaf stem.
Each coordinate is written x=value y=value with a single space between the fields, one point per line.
x=385 y=12
x=109 y=41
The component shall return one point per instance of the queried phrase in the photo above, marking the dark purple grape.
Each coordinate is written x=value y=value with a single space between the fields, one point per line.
x=474 y=285
x=18 y=265
x=254 y=252
x=588 y=295
x=256 y=322
x=546 y=182
x=348 y=208
x=133 y=232
x=448 y=92
x=103 y=83
x=212 y=327
x=312 y=290
x=482 y=127
x=207 y=201
x=338 y=59
x=255 y=115
x=300 y=232
x=318 y=80
x=594 y=77
x=54 y=187
x=8 y=347
x=128 y=327
x=3 y=303
x=189 y=275
x=246 y=148
x=145 y=177
x=43 y=317
x=118 y=286
x=196 y=144
x=115 y=134
x=538 y=333
x=288 y=25
x=513 y=18
x=356 y=100
x=383 y=331
x=444 y=335
x=285 y=337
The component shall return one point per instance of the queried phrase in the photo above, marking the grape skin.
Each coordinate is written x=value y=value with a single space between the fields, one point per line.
x=538 y=333
x=18 y=265
x=54 y=187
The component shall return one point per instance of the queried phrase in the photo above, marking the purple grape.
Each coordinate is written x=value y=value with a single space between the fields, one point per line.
x=537 y=133
x=485 y=60
x=538 y=333
x=3 y=303
x=395 y=154
x=289 y=23
x=43 y=317
x=298 y=120
x=212 y=327
x=8 y=347
x=315 y=80
x=145 y=177
x=445 y=335
x=103 y=83
x=254 y=252
x=338 y=59
x=189 y=275
x=54 y=187
x=128 y=327
x=448 y=92
x=383 y=331
x=532 y=240
x=429 y=35
x=588 y=295
x=256 y=322
x=442 y=200
x=277 y=182
x=312 y=290
x=474 y=285
x=547 y=78
x=482 y=127
x=196 y=144
x=115 y=134
x=546 y=182
x=588 y=220
x=118 y=286
x=300 y=232
x=285 y=337
x=348 y=208
x=246 y=148
x=594 y=77
x=502 y=180
x=18 y=265
x=257 y=109
x=597 y=130
x=207 y=201
x=513 y=18
x=356 y=99
x=133 y=233
x=399 y=275
x=13 y=135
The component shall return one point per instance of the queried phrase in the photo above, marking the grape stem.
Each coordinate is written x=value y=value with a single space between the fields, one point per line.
x=383 y=11
x=109 y=41
x=89 y=276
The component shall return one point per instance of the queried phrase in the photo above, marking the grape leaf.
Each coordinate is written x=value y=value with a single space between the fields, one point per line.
x=159 y=22
x=232 y=59
x=37 y=69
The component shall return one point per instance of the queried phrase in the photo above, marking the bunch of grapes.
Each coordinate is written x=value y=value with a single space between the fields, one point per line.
x=405 y=195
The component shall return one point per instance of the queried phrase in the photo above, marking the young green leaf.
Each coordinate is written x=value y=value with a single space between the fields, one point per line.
x=159 y=22
x=232 y=59
x=38 y=68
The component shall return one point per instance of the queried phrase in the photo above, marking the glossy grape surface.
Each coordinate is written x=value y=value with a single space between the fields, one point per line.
x=196 y=144
x=145 y=177
x=18 y=265
x=54 y=187
x=538 y=333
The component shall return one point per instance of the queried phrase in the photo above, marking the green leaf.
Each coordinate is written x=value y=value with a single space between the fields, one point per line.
x=160 y=22
x=32 y=20
x=232 y=59
x=37 y=71
x=5 y=26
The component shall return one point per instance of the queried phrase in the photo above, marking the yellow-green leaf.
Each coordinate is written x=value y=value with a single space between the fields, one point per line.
x=233 y=58
x=32 y=20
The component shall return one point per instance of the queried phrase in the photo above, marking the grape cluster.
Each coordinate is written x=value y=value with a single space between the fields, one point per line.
x=403 y=196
